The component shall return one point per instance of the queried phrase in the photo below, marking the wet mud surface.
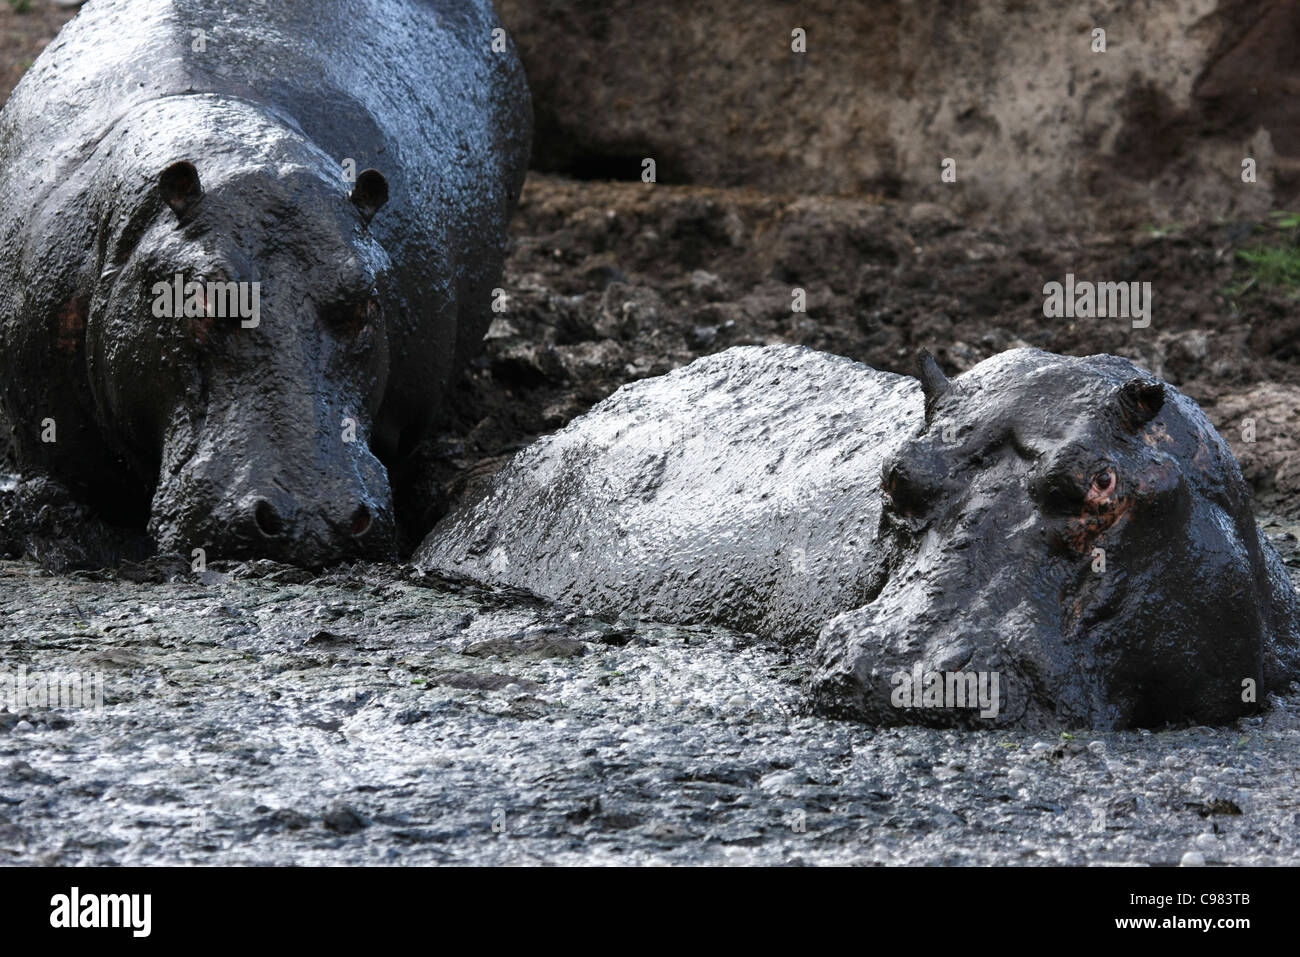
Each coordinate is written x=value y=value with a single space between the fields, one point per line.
x=368 y=715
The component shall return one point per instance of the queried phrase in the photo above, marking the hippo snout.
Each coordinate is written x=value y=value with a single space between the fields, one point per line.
x=311 y=530
x=300 y=503
x=271 y=519
x=935 y=648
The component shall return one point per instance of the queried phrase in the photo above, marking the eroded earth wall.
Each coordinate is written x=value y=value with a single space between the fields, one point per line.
x=1043 y=124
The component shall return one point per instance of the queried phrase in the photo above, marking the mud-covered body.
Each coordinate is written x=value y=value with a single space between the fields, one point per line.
x=366 y=312
x=719 y=492
x=1068 y=524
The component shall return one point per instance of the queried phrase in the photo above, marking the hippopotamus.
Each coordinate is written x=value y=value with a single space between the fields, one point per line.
x=1065 y=539
x=246 y=246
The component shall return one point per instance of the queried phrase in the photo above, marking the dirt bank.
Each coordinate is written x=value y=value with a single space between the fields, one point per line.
x=1043 y=125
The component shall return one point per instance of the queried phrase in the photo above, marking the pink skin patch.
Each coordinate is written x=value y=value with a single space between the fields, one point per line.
x=1102 y=508
x=72 y=323
x=1102 y=490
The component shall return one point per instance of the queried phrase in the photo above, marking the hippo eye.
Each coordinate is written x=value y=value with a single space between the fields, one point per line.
x=368 y=311
x=1102 y=487
x=354 y=320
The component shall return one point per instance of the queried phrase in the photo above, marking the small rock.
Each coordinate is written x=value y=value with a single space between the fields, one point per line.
x=326 y=638
x=1223 y=806
x=530 y=648
x=667 y=831
x=471 y=681
x=343 y=820
x=703 y=335
x=24 y=772
x=1206 y=842
x=289 y=819
x=1192 y=859
x=708 y=285
x=501 y=329
x=782 y=780
x=327 y=612
x=22 y=727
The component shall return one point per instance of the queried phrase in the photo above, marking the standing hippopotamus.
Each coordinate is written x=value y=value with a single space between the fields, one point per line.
x=1067 y=540
x=245 y=245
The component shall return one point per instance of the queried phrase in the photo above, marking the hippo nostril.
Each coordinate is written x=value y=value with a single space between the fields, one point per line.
x=269 y=522
x=360 y=521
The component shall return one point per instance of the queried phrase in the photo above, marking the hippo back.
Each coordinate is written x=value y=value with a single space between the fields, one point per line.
x=742 y=489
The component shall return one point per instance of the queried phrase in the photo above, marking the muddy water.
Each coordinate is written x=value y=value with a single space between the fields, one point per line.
x=257 y=714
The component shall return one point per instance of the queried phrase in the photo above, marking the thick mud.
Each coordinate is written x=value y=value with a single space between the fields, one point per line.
x=260 y=715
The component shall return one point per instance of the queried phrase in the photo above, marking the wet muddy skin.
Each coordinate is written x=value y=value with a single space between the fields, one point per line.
x=347 y=168
x=1073 y=526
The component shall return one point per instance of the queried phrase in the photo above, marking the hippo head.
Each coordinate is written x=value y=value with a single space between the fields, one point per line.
x=237 y=346
x=1069 y=539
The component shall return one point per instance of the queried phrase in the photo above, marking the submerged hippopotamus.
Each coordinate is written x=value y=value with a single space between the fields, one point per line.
x=1042 y=541
x=245 y=246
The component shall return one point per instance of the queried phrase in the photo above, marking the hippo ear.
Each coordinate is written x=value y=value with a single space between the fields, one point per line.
x=179 y=185
x=369 y=193
x=934 y=384
x=1138 y=401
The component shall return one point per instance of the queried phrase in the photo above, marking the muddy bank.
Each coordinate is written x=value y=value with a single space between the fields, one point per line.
x=611 y=282
x=1044 y=119
x=26 y=27
x=1043 y=127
